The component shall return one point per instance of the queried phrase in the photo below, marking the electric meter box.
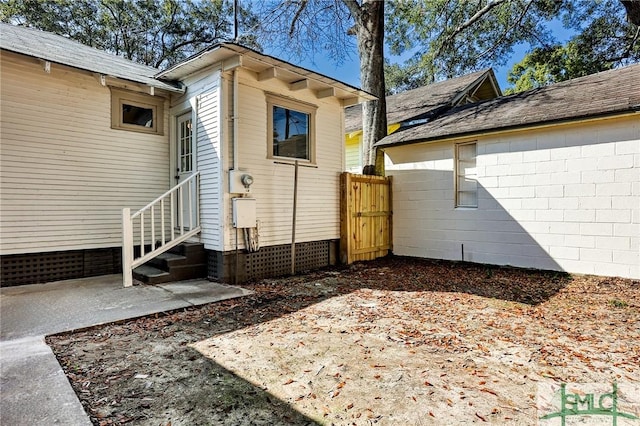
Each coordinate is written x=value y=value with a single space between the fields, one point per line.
x=244 y=212
x=240 y=181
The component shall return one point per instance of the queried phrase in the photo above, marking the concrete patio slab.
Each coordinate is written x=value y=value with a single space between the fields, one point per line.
x=43 y=309
x=33 y=387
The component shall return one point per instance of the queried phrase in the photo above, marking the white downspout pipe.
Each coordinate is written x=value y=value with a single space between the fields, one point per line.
x=194 y=165
x=234 y=139
x=236 y=161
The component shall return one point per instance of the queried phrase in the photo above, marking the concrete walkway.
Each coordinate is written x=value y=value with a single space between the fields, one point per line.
x=33 y=388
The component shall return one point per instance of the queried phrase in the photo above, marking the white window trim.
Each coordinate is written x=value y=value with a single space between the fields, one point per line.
x=294 y=105
x=457 y=175
x=121 y=97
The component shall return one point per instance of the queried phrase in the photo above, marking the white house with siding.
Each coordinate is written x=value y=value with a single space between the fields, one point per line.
x=546 y=179
x=85 y=134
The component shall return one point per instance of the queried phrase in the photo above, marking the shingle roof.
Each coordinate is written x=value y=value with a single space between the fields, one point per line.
x=418 y=102
x=609 y=92
x=61 y=50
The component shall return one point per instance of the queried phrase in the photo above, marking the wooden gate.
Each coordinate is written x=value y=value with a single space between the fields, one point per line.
x=365 y=217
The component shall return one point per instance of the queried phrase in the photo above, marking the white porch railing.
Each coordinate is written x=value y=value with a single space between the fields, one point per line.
x=164 y=223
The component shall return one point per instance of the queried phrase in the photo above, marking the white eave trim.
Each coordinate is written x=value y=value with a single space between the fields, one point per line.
x=350 y=95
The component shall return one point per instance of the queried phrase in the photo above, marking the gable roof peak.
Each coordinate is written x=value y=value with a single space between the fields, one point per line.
x=425 y=101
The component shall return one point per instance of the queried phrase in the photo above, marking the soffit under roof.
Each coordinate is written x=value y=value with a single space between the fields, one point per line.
x=265 y=66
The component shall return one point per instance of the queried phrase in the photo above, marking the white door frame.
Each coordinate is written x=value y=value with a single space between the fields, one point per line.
x=184 y=162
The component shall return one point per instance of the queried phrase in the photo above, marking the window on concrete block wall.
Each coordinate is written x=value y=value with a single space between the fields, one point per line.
x=466 y=175
x=291 y=129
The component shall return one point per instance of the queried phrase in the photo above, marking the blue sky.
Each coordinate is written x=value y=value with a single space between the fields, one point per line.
x=348 y=72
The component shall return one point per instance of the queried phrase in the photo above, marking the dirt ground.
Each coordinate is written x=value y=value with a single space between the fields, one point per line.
x=396 y=341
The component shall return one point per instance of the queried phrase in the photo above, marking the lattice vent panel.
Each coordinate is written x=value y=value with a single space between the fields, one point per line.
x=41 y=267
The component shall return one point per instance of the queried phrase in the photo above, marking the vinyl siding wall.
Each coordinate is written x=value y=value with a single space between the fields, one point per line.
x=318 y=215
x=353 y=153
x=65 y=174
x=209 y=163
x=564 y=198
x=353 y=149
x=203 y=98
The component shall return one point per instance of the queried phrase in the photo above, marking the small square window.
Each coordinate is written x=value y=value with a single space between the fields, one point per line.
x=136 y=112
x=291 y=129
x=137 y=115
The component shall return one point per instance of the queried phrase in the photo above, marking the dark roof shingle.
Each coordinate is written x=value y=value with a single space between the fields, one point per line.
x=61 y=50
x=605 y=93
x=417 y=102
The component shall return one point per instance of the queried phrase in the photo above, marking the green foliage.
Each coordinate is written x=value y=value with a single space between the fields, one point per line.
x=153 y=32
x=605 y=40
x=399 y=78
x=617 y=303
x=544 y=66
x=448 y=38
x=444 y=38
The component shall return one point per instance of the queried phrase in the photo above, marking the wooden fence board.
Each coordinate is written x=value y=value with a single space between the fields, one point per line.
x=365 y=217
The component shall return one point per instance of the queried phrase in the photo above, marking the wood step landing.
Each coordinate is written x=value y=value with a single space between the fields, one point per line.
x=185 y=261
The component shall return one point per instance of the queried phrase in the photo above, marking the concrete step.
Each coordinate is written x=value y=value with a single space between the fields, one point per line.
x=167 y=260
x=187 y=272
x=188 y=249
x=183 y=262
x=150 y=275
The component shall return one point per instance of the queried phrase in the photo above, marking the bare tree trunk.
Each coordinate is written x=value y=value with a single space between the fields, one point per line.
x=369 y=30
x=633 y=10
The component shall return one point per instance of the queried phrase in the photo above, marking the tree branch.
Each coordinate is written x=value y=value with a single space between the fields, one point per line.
x=178 y=46
x=167 y=26
x=476 y=17
x=296 y=16
x=120 y=30
x=629 y=48
x=355 y=9
x=511 y=27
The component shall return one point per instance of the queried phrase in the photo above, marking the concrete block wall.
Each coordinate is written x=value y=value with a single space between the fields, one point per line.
x=564 y=198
